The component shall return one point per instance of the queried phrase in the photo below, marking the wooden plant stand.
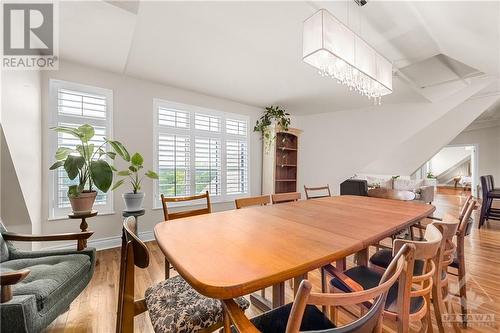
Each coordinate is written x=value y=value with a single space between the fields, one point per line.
x=82 y=243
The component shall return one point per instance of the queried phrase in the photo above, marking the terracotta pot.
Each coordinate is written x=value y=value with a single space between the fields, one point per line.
x=83 y=203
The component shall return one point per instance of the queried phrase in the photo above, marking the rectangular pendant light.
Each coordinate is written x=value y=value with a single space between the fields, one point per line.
x=337 y=52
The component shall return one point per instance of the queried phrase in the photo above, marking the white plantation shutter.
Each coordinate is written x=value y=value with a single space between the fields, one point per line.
x=200 y=150
x=174 y=163
x=208 y=165
x=237 y=166
x=73 y=105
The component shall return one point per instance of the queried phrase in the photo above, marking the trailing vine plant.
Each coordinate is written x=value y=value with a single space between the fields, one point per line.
x=273 y=115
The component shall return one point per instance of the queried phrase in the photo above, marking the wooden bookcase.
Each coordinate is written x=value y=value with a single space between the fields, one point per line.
x=279 y=174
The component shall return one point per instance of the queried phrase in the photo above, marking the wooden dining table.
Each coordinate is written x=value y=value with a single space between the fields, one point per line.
x=233 y=253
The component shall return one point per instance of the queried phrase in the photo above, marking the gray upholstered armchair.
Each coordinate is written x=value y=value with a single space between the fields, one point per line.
x=37 y=286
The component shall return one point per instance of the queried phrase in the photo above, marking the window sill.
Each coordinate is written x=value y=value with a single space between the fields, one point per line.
x=60 y=218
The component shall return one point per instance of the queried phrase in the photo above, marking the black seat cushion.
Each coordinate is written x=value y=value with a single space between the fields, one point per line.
x=368 y=279
x=275 y=321
x=455 y=263
x=383 y=258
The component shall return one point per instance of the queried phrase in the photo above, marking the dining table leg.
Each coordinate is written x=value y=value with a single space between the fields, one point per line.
x=361 y=257
x=264 y=304
x=296 y=283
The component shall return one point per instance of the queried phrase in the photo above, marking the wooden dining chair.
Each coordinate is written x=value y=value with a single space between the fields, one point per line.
x=302 y=315
x=324 y=191
x=444 y=257
x=285 y=197
x=458 y=263
x=409 y=301
x=172 y=304
x=261 y=200
x=184 y=213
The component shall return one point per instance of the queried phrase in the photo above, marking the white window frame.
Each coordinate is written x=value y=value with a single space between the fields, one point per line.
x=193 y=133
x=56 y=212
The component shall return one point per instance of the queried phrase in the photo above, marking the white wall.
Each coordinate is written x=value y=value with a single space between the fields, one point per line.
x=21 y=124
x=133 y=126
x=391 y=139
x=488 y=143
x=446 y=158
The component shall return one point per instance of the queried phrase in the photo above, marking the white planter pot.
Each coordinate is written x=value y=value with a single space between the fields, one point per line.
x=133 y=201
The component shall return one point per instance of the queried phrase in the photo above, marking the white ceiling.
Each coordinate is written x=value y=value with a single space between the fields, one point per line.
x=251 y=51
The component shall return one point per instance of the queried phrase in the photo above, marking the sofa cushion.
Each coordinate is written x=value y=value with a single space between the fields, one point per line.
x=50 y=278
x=379 y=182
x=408 y=184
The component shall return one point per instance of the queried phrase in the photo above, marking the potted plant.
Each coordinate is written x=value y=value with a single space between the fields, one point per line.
x=274 y=115
x=87 y=163
x=133 y=200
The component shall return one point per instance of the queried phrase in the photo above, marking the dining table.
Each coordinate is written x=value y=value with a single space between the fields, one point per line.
x=232 y=253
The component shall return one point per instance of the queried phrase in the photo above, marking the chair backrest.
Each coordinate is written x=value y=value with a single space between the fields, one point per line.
x=446 y=253
x=324 y=192
x=285 y=197
x=185 y=213
x=416 y=284
x=464 y=207
x=465 y=218
x=133 y=253
x=369 y=322
x=491 y=181
x=261 y=200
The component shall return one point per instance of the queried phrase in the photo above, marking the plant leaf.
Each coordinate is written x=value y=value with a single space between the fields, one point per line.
x=86 y=132
x=56 y=165
x=102 y=174
x=113 y=167
x=111 y=154
x=72 y=165
x=120 y=149
x=151 y=174
x=62 y=153
x=68 y=130
x=132 y=168
x=137 y=159
x=73 y=191
x=118 y=184
x=123 y=173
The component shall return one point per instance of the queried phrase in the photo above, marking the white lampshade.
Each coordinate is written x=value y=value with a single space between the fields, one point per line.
x=336 y=51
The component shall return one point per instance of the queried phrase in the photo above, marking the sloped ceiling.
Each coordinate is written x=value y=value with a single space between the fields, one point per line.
x=251 y=51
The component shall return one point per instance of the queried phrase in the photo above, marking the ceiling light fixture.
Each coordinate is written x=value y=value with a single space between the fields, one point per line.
x=337 y=52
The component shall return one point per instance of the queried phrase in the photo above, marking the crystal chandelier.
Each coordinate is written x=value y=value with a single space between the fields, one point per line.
x=339 y=53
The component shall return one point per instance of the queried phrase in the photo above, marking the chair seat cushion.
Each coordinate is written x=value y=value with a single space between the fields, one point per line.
x=50 y=277
x=274 y=321
x=174 y=306
x=368 y=279
x=383 y=258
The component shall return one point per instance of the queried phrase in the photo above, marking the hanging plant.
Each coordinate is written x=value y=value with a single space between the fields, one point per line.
x=274 y=115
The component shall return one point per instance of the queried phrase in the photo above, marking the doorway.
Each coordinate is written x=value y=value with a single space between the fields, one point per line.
x=455 y=167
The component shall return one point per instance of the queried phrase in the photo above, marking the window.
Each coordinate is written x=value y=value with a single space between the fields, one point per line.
x=200 y=150
x=73 y=105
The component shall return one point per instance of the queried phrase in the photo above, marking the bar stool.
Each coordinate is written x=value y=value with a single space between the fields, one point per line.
x=489 y=194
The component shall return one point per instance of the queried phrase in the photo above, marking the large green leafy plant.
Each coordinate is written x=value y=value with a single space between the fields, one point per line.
x=87 y=161
x=273 y=115
x=133 y=173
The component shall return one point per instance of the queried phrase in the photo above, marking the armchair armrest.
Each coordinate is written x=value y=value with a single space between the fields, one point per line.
x=434 y=218
x=346 y=281
x=10 y=236
x=9 y=278
x=427 y=193
x=238 y=318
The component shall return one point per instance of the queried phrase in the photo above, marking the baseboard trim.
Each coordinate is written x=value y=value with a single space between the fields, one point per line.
x=104 y=243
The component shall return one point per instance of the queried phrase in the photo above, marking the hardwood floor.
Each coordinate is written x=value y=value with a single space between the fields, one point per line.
x=95 y=309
